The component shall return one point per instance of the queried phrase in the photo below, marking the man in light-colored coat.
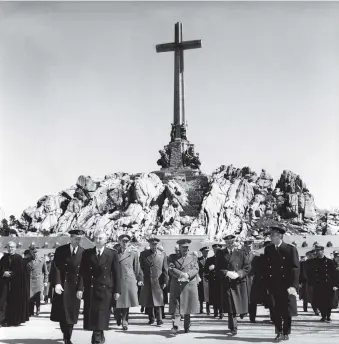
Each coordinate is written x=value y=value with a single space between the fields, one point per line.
x=129 y=277
x=38 y=280
x=153 y=264
x=184 y=298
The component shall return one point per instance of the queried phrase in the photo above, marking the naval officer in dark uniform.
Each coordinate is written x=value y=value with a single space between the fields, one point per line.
x=282 y=280
x=64 y=277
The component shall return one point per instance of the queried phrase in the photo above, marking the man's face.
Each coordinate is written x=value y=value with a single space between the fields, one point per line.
x=100 y=240
x=275 y=237
x=184 y=249
x=204 y=253
x=51 y=257
x=123 y=243
x=75 y=240
x=34 y=254
x=215 y=250
x=11 y=248
x=336 y=258
x=320 y=254
x=153 y=245
x=230 y=244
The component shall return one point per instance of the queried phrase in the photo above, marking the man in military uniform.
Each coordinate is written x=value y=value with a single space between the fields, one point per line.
x=306 y=280
x=38 y=280
x=282 y=280
x=249 y=278
x=129 y=278
x=99 y=281
x=325 y=283
x=153 y=264
x=203 y=284
x=184 y=298
x=232 y=266
x=213 y=283
x=64 y=277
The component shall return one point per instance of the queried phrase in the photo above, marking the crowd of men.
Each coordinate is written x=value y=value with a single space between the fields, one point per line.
x=233 y=282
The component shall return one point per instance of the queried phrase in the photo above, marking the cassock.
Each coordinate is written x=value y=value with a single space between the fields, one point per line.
x=14 y=290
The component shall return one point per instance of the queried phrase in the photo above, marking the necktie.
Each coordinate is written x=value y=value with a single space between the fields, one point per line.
x=73 y=253
x=98 y=254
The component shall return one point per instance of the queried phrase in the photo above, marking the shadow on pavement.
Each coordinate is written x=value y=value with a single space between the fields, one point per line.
x=31 y=341
x=162 y=333
x=239 y=339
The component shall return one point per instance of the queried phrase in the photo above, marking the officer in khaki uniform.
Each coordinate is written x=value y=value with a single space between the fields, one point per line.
x=184 y=299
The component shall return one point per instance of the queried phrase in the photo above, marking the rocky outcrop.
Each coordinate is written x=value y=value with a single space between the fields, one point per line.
x=231 y=200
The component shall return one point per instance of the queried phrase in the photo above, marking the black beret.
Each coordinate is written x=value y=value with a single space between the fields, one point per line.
x=277 y=229
x=229 y=237
x=123 y=236
x=205 y=248
x=216 y=246
x=183 y=242
x=76 y=232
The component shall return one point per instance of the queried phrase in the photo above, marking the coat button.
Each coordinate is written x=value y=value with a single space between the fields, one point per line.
x=104 y=276
x=92 y=286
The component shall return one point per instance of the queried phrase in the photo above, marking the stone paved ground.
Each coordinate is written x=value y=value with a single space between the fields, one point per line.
x=204 y=330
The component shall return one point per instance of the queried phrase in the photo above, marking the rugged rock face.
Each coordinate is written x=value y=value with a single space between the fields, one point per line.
x=231 y=200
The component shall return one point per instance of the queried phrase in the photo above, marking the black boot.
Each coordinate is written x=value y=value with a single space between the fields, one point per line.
x=201 y=308
x=208 y=308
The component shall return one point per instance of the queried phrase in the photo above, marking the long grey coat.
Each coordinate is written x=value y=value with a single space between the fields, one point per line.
x=234 y=296
x=154 y=269
x=184 y=298
x=38 y=275
x=129 y=277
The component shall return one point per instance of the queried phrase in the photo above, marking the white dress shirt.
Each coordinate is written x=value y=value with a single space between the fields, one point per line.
x=72 y=248
x=100 y=251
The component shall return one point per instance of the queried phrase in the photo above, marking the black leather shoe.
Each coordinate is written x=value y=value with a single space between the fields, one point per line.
x=160 y=322
x=328 y=319
x=252 y=321
x=151 y=322
x=38 y=311
x=125 y=327
x=215 y=315
x=234 y=332
x=118 y=322
x=316 y=313
x=187 y=330
x=221 y=316
x=278 y=338
x=285 y=337
x=322 y=319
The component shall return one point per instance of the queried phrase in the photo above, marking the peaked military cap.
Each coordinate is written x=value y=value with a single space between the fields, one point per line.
x=229 y=237
x=124 y=236
x=205 y=248
x=76 y=232
x=319 y=248
x=153 y=239
x=184 y=242
x=278 y=229
x=216 y=246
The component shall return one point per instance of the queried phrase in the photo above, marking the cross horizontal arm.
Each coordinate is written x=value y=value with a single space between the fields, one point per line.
x=190 y=44
x=162 y=48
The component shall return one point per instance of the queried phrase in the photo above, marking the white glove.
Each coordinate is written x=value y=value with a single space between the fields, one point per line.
x=335 y=288
x=232 y=275
x=45 y=284
x=79 y=294
x=140 y=283
x=292 y=291
x=211 y=267
x=58 y=289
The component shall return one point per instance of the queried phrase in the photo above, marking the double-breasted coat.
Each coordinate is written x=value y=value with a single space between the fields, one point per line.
x=154 y=267
x=65 y=271
x=323 y=277
x=184 y=298
x=203 y=287
x=282 y=272
x=234 y=298
x=129 y=277
x=38 y=275
x=258 y=290
x=214 y=286
x=99 y=280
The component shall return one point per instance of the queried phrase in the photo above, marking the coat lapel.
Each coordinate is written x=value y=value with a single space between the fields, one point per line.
x=104 y=257
x=123 y=255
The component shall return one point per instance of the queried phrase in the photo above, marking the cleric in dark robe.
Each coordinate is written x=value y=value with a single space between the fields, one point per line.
x=98 y=283
x=203 y=286
x=14 y=288
x=232 y=267
x=282 y=280
x=64 y=278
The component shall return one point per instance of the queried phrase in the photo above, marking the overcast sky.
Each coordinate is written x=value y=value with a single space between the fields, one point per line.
x=82 y=91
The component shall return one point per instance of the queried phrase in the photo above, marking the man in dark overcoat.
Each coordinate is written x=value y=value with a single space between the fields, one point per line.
x=98 y=282
x=307 y=276
x=129 y=278
x=64 y=279
x=154 y=267
x=282 y=280
x=325 y=282
x=184 y=298
x=38 y=280
x=214 y=283
x=232 y=267
x=203 y=284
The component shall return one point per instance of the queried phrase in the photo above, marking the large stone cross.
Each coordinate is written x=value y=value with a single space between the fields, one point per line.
x=178 y=46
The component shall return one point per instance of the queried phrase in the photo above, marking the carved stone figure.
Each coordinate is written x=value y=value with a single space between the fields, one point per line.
x=173 y=133
x=164 y=160
x=191 y=159
x=183 y=132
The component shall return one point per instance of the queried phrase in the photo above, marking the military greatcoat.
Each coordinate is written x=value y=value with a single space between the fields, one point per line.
x=203 y=286
x=213 y=282
x=129 y=277
x=38 y=275
x=184 y=298
x=99 y=280
x=154 y=267
x=234 y=296
x=65 y=271
x=282 y=272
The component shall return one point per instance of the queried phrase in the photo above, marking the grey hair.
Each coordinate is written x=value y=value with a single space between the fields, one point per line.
x=11 y=242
